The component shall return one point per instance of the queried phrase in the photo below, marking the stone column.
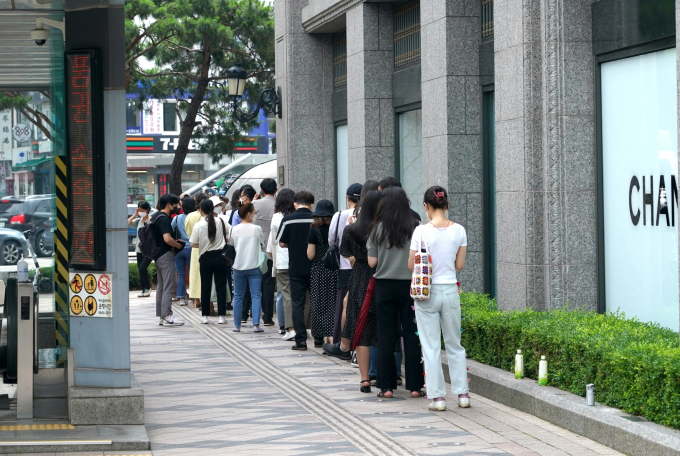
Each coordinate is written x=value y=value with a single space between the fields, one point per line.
x=305 y=134
x=545 y=155
x=677 y=71
x=370 y=115
x=451 y=103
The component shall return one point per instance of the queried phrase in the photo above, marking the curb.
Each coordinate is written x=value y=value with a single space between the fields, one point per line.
x=629 y=434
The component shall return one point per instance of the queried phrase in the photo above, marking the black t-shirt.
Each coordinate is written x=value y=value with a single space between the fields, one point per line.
x=294 y=231
x=162 y=224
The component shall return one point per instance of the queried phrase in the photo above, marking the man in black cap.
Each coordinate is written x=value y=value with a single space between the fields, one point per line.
x=337 y=227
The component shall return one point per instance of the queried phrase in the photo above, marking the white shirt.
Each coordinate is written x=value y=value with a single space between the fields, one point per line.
x=199 y=236
x=332 y=235
x=443 y=245
x=247 y=240
x=279 y=254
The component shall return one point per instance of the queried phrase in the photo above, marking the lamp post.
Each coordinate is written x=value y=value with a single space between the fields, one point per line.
x=270 y=99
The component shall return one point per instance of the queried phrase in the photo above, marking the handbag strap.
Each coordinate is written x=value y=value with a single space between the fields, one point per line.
x=337 y=224
x=224 y=231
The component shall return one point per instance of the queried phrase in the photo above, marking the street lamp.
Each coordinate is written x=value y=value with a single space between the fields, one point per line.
x=270 y=99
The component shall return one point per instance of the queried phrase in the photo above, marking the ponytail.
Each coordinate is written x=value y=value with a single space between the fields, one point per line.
x=207 y=208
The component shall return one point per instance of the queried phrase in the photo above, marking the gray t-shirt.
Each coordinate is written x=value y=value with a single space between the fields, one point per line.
x=392 y=262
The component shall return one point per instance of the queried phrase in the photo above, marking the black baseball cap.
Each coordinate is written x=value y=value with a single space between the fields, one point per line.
x=354 y=190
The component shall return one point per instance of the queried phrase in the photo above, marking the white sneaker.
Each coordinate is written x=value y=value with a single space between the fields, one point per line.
x=289 y=335
x=160 y=323
x=463 y=401
x=183 y=302
x=222 y=321
x=173 y=321
x=144 y=294
x=437 y=406
x=204 y=320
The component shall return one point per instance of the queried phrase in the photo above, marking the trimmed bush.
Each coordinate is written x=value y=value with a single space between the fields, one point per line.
x=635 y=366
x=134 y=275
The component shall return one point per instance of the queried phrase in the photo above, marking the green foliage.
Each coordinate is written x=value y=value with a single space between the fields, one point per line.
x=635 y=366
x=135 y=284
x=13 y=101
x=191 y=45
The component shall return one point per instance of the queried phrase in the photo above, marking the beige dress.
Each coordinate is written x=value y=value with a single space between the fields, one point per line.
x=194 y=271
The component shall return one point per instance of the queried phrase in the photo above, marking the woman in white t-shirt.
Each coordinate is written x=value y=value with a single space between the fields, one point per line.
x=246 y=237
x=209 y=236
x=447 y=244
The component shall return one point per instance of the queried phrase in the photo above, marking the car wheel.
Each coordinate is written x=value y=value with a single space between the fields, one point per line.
x=10 y=253
x=40 y=248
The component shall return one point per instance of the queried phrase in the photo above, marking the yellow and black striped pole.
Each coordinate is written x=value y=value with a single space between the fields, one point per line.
x=61 y=252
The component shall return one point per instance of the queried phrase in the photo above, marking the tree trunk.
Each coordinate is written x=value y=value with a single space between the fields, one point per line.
x=187 y=126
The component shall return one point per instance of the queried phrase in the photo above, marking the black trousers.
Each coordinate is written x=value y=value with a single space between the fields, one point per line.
x=299 y=287
x=268 y=293
x=142 y=266
x=393 y=300
x=337 y=323
x=213 y=264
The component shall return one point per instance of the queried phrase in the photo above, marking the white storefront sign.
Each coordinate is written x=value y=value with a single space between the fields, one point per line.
x=640 y=180
x=152 y=118
x=21 y=132
x=5 y=134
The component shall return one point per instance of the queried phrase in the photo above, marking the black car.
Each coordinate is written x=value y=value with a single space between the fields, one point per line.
x=31 y=213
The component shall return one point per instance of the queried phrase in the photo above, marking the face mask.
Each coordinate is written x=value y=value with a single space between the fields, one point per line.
x=142 y=214
x=176 y=211
x=217 y=210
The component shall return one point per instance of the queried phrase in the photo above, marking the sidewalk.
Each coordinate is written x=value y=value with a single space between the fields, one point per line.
x=209 y=391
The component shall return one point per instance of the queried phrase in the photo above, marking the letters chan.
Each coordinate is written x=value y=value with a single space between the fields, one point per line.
x=644 y=198
x=94 y=299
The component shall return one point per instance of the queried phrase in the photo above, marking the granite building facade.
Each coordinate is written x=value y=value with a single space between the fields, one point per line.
x=498 y=100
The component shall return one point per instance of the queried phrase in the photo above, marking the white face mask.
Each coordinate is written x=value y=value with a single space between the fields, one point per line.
x=217 y=210
x=142 y=214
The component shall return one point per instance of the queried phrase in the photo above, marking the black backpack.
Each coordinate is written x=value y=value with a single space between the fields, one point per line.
x=148 y=240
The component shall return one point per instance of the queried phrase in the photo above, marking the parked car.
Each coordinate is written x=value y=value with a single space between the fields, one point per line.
x=13 y=246
x=31 y=213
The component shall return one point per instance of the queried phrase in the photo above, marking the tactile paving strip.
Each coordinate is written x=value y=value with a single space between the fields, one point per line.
x=357 y=430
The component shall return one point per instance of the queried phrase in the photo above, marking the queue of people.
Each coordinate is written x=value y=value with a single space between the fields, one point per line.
x=373 y=284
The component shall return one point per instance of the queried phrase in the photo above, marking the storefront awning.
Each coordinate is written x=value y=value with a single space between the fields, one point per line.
x=30 y=165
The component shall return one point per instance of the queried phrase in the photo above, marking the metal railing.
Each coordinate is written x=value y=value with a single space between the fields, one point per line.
x=487 y=17
x=340 y=59
x=407 y=33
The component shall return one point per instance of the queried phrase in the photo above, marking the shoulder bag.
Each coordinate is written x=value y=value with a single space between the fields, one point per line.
x=331 y=259
x=421 y=279
x=228 y=252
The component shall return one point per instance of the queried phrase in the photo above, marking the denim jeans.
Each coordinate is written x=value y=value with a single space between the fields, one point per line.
x=440 y=315
x=181 y=259
x=373 y=363
x=280 y=314
x=254 y=278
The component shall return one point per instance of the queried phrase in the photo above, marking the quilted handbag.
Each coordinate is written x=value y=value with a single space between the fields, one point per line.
x=421 y=279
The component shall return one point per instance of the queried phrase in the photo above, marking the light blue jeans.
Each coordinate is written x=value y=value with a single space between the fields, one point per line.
x=254 y=278
x=280 y=314
x=181 y=259
x=440 y=315
x=373 y=362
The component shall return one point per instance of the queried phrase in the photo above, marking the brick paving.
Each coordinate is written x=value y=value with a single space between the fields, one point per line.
x=209 y=391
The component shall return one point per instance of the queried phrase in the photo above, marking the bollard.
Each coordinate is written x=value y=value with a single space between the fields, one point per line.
x=543 y=372
x=519 y=364
x=590 y=394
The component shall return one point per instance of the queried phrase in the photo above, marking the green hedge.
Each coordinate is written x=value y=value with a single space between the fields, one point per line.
x=134 y=275
x=635 y=366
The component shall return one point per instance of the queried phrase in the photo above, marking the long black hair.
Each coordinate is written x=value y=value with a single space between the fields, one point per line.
x=369 y=208
x=188 y=205
x=207 y=208
x=235 y=197
x=368 y=186
x=284 y=201
x=394 y=218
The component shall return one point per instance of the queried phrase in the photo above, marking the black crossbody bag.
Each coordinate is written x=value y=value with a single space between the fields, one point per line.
x=331 y=260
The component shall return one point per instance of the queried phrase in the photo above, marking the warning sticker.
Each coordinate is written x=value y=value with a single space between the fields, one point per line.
x=93 y=294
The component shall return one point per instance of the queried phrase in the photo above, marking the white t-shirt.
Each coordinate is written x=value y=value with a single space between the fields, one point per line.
x=279 y=253
x=334 y=234
x=199 y=236
x=443 y=245
x=247 y=241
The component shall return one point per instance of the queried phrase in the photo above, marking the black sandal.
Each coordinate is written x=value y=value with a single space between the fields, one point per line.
x=383 y=392
x=365 y=389
x=420 y=394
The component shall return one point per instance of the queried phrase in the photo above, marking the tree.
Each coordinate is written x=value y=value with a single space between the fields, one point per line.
x=18 y=102
x=191 y=44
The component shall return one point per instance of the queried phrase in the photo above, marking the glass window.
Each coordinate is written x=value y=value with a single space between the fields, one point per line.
x=169 y=117
x=490 y=258
x=132 y=116
x=410 y=157
x=342 y=162
x=639 y=184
